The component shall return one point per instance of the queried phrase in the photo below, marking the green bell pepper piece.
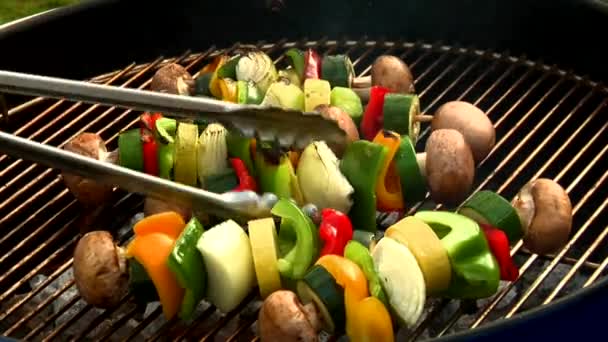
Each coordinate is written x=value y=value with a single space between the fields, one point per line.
x=359 y=254
x=241 y=92
x=475 y=271
x=254 y=95
x=165 y=160
x=240 y=147
x=166 y=129
x=296 y=60
x=347 y=100
x=275 y=178
x=186 y=263
x=298 y=241
x=361 y=165
x=130 y=150
x=228 y=69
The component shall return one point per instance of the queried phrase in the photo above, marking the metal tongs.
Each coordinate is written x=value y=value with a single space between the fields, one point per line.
x=287 y=127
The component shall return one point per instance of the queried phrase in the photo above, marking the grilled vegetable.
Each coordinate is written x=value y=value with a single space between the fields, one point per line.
x=239 y=147
x=298 y=233
x=426 y=247
x=153 y=206
x=87 y=191
x=499 y=245
x=284 y=95
x=312 y=65
x=361 y=166
x=100 y=270
x=371 y=123
x=151 y=251
x=184 y=169
x=296 y=60
x=212 y=153
x=403 y=281
x=290 y=76
x=347 y=100
x=166 y=129
x=337 y=70
x=257 y=67
x=475 y=272
x=400 y=113
x=488 y=207
x=228 y=69
x=545 y=212
x=319 y=287
x=228 y=283
x=187 y=265
x=471 y=122
x=316 y=93
x=168 y=223
x=335 y=230
x=283 y=317
x=265 y=250
x=361 y=256
x=413 y=183
x=320 y=179
x=345 y=122
x=276 y=176
x=450 y=168
x=367 y=239
x=166 y=158
x=130 y=150
x=391 y=72
x=228 y=90
x=246 y=181
x=140 y=284
x=173 y=79
x=366 y=317
x=389 y=196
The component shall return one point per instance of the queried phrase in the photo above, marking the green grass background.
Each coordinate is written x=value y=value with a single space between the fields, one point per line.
x=15 y=9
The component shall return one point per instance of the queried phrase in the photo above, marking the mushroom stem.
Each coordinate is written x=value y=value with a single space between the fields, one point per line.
x=363 y=93
x=423 y=118
x=362 y=82
x=421 y=160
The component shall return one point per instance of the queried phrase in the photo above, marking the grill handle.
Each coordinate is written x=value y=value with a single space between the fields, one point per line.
x=288 y=127
x=239 y=206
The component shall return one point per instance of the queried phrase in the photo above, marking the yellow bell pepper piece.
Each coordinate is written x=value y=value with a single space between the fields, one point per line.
x=169 y=223
x=151 y=251
x=388 y=186
x=214 y=83
x=367 y=319
x=228 y=90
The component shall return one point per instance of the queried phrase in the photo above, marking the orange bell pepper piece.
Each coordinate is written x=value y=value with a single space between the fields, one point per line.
x=151 y=251
x=169 y=223
x=388 y=186
x=228 y=90
x=214 y=83
x=367 y=319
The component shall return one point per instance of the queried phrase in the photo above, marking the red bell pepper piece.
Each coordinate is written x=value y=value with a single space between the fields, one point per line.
x=246 y=181
x=312 y=64
x=499 y=245
x=335 y=230
x=150 y=146
x=371 y=123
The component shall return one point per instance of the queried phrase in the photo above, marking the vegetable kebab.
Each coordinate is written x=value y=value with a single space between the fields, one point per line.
x=319 y=262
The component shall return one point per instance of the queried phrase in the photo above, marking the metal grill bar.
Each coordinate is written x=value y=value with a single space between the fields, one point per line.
x=443 y=73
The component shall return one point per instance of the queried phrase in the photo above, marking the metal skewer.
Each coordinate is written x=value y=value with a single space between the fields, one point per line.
x=240 y=206
x=288 y=127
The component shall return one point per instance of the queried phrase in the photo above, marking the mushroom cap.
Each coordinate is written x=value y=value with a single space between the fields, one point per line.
x=155 y=206
x=345 y=122
x=546 y=213
x=450 y=168
x=173 y=79
x=87 y=191
x=282 y=317
x=100 y=270
x=471 y=122
x=391 y=72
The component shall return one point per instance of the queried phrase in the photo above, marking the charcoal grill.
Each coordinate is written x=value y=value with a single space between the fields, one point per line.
x=550 y=122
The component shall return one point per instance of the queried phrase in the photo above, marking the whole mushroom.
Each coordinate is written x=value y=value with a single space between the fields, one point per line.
x=449 y=166
x=387 y=71
x=87 y=191
x=173 y=79
x=471 y=122
x=100 y=270
x=284 y=318
x=545 y=212
x=345 y=122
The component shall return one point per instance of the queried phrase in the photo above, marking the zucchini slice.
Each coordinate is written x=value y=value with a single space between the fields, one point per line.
x=320 y=287
x=400 y=112
x=488 y=207
x=337 y=70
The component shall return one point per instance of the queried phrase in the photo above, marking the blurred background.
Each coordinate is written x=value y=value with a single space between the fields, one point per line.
x=15 y=9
